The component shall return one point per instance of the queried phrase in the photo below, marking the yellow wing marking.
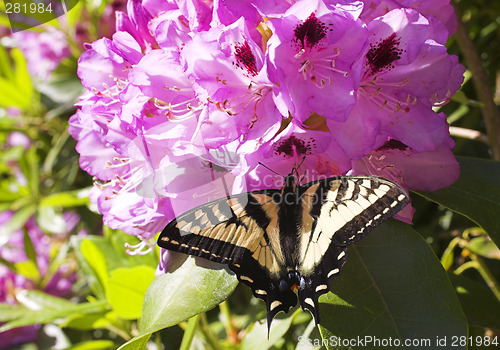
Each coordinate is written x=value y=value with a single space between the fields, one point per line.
x=313 y=245
x=245 y=232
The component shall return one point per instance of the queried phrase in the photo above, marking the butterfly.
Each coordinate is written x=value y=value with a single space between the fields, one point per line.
x=286 y=242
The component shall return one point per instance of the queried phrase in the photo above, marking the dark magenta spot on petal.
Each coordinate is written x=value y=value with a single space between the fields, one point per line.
x=294 y=146
x=393 y=144
x=310 y=32
x=382 y=54
x=245 y=58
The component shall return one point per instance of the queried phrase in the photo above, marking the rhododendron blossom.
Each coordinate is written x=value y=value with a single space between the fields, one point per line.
x=189 y=96
x=311 y=53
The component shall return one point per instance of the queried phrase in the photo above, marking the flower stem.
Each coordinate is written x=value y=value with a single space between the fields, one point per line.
x=486 y=274
x=231 y=331
x=189 y=333
x=210 y=337
x=469 y=134
x=465 y=266
x=482 y=85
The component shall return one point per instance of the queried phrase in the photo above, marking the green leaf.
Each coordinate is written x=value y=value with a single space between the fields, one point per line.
x=89 y=272
x=195 y=286
x=29 y=165
x=11 y=312
x=392 y=286
x=45 y=308
x=14 y=153
x=29 y=248
x=5 y=65
x=98 y=256
x=28 y=269
x=448 y=256
x=137 y=343
x=11 y=96
x=87 y=321
x=67 y=199
x=479 y=304
x=125 y=290
x=96 y=260
x=119 y=240
x=93 y=345
x=37 y=300
x=8 y=264
x=475 y=194
x=483 y=246
x=22 y=76
x=15 y=81
x=258 y=338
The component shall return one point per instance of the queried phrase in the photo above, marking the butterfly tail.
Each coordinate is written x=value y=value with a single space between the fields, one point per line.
x=278 y=300
x=309 y=294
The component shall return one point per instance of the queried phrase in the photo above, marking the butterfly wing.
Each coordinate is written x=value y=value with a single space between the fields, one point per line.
x=335 y=213
x=243 y=232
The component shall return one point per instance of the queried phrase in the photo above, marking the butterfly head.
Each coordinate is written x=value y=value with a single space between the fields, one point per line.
x=291 y=181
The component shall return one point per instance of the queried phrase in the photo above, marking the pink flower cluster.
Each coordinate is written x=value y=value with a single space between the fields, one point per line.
x=44 y=51
x=12 y=249
x=189 y=93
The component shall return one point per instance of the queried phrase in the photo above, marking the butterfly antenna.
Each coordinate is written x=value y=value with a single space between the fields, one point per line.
x=302 y=161
x=297 y=170
x=268 y=168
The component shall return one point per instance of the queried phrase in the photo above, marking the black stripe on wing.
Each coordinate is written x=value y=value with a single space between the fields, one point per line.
x=219 y=229
x=317 y=282
x=337 y=212
x=347 y=208
x=379 y=199
x=234 y=231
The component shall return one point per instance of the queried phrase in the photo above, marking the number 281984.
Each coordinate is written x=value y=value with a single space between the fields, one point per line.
x=34 y=7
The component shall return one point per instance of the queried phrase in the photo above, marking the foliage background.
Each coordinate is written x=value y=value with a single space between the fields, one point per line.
x=438 y=278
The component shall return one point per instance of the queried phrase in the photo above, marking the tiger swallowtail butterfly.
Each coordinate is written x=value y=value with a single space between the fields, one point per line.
x=290 y=241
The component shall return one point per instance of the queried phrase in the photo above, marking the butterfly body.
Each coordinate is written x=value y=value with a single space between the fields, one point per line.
x=286 y=242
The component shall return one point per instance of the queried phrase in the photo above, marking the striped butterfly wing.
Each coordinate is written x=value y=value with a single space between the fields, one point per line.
x=335 y=213
x=243 y=232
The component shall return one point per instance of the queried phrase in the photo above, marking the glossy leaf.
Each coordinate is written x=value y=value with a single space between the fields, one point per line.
x=137 y=343
x=257 y=337
x=192 y=287
x=479 y=304
x=125 y=290
x=483 y=246
x=475 y=194
x=99 y=256
x=392 y=286
x=96 y=259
